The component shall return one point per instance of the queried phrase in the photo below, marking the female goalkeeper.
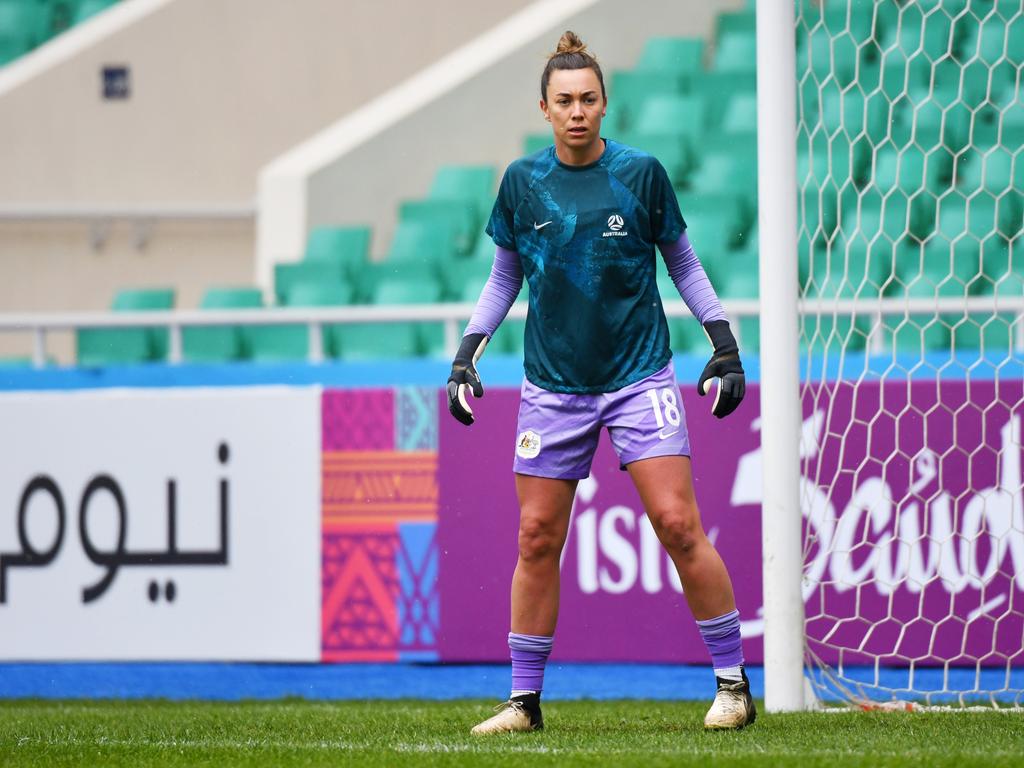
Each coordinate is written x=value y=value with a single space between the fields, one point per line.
x=580 y=220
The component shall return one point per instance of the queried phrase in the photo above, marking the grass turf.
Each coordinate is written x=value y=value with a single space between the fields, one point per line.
x=396 y=733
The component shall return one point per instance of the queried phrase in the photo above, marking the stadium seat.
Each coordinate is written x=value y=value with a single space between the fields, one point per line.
x=727 y=165
x=740 y=113
x=736 y=52
x=459 y=216
x=374 y=341
x=717 y=89
x=113 y=346
x=736 y=22
x=534 y=142
x=349 y=247
x=472 y=184
x=416 y=272
x=714 y=222
x=683 y=115
x=280 y=343
x=23 y=25
x=672 y=150
x=465 y=280
x=89 y=8
x=432 y=231
x=629 y=89
x=672 y=55
x=220 y=343
x=992 y=335
x=276 y=343
x=288 y=276
x=429 y=336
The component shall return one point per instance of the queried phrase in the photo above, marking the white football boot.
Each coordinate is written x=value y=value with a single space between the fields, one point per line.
x=519 y=714
x=733 y=707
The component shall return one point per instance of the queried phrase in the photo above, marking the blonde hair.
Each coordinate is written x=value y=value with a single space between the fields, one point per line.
x=570 y=53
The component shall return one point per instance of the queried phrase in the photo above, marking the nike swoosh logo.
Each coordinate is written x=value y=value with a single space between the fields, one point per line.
x=662 y=435
x=540 y=226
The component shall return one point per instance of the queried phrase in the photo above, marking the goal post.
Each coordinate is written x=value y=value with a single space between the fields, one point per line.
x=892 y=300
x=780 y=396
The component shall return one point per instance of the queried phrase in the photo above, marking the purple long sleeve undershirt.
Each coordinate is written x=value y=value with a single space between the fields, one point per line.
x=506 y=279
x=498 y=294
x=691 y=280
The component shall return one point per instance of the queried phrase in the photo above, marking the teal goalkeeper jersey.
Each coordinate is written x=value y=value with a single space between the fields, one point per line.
x=586 y=238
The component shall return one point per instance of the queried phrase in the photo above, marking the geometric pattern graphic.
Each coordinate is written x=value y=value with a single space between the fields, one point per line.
x=377 y=486
x=379 y=518
x=358 y=419
x=360 y=586
x=418 y=603
x=416 y=419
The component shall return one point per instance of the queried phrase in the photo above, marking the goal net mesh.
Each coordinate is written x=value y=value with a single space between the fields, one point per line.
x=909 y=173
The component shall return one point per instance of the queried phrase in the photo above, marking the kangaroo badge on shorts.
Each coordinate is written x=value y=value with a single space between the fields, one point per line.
x=528 y=444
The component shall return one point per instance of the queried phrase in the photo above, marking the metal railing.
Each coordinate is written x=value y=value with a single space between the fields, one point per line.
x=453 y=316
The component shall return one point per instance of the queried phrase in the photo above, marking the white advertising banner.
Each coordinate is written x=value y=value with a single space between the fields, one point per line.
x=165 y=524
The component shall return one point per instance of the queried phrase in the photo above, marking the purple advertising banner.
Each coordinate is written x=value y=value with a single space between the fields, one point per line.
x=912 y=500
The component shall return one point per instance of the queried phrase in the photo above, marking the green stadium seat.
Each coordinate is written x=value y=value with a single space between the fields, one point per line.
x=23 y=26
x=736 y=52
x=316 y=294
x=220 y=343
x=728 y=165
x=630 y=89
x=89 y=8
x=715 y=222
x=281 y=343
x=375 y=341
x=912 y=169
x=276 y=343
x=740 y=114
x=349 y=247
x=992 y=335
x=717 y=89
x=672 y=150
x=473 y=184
x=434 y=230
x=737 y=22
x=684 y=115
x=402 y=290
x=422 y=272
x=535 y=142
x=679 y=55
x=288 y=276
x=482 y=251
x=466 y=279
x=118 y=346
x=321 y=295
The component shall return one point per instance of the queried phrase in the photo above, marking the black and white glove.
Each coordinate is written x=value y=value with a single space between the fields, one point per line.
x=464 y=377
x=724 y=365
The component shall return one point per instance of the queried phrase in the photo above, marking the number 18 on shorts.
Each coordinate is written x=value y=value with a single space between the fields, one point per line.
x=558 y=433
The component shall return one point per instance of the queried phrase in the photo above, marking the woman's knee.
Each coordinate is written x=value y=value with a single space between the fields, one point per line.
x=539 y=539
x=679 y=529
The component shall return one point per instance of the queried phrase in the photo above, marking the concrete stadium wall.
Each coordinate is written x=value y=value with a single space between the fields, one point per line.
x=483 y=120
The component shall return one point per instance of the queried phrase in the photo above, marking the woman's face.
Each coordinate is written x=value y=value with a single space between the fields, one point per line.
x=574 y=107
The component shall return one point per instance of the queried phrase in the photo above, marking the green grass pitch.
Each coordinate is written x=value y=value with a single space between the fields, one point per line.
x=399 y=733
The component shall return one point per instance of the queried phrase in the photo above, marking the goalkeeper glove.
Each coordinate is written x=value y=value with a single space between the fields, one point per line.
x=465 y=378
x=724 y=365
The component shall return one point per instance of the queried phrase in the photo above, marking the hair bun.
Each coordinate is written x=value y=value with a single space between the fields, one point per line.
x=570 y=43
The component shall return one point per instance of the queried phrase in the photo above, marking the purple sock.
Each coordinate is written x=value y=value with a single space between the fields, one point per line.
x=722 y=637
x=529 y=655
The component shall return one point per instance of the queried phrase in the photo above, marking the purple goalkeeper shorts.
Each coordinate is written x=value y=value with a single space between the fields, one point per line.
x=557 y=433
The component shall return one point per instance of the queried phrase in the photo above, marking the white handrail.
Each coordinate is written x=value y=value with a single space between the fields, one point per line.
x=151 y=212
x=451 y=314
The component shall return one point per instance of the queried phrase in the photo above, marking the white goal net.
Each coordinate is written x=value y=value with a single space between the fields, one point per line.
x=910 y=172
